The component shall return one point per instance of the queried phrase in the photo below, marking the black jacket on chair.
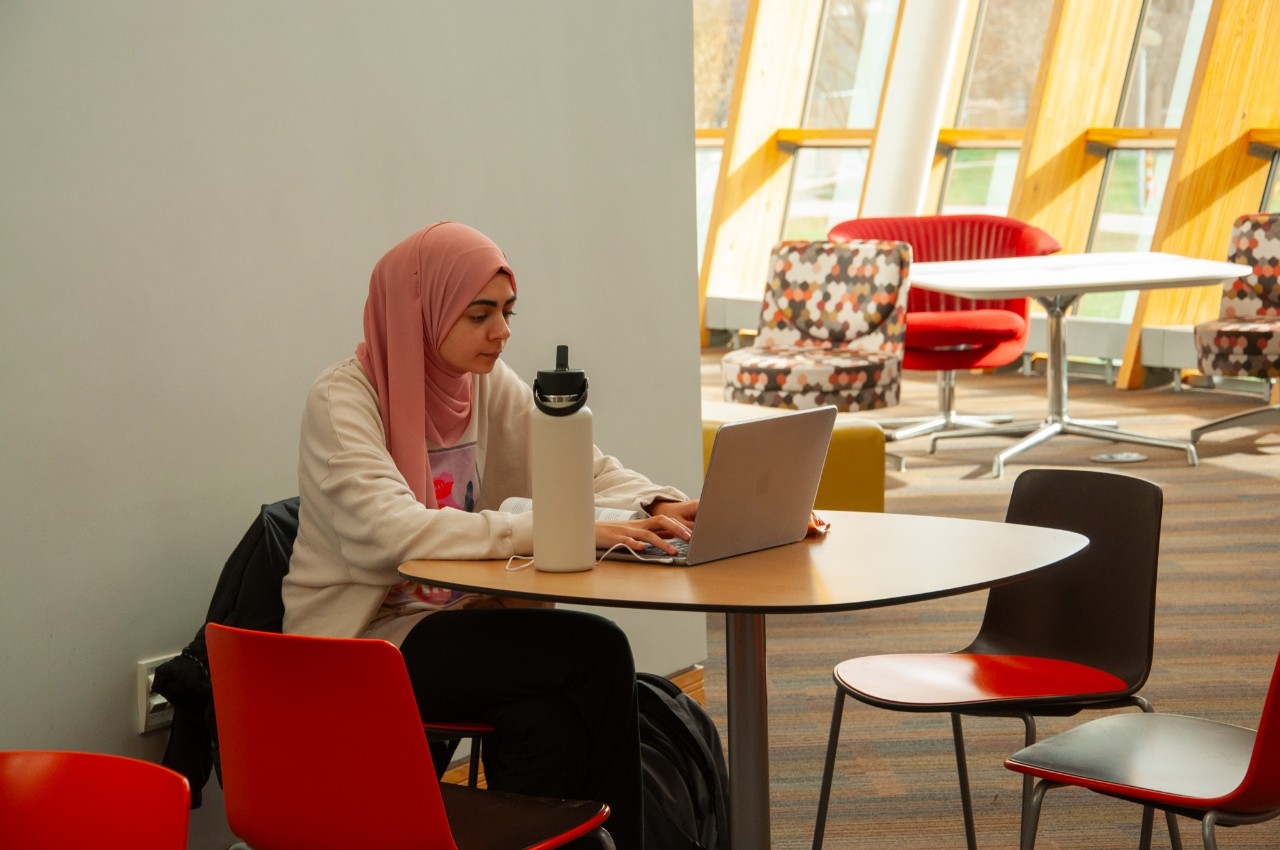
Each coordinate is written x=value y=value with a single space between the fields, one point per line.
x=247 y=595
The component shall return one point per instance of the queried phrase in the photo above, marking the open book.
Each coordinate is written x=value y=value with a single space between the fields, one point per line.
x=519 y=504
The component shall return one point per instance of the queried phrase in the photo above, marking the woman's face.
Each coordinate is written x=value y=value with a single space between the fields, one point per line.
x=476 y=340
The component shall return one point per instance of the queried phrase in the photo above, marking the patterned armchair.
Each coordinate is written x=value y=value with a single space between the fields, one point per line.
x=831 y=328
x=1245 y=340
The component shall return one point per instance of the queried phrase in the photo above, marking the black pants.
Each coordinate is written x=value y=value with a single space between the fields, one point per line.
x=559 y=688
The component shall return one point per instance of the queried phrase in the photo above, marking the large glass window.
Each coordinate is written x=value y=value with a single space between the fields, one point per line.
x=847 y=78
x=1003 y=62
x=707 y=175
x=826 y=189
x=1163 y=62
x=979 y=180
x=1159 y=79
x=850 y=64
x=1000 y=75
x=717 y=39
x=1131 y=196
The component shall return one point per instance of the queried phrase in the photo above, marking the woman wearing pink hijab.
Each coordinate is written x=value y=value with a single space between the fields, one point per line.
x=406 y=451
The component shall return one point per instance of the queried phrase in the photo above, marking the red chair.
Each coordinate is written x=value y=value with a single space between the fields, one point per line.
x=52 y=800
x=1074 y=636
x=1198 y=768
x=945 y=333
x=323 y=748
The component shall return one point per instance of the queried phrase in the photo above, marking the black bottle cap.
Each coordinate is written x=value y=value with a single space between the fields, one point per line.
x=561 y=391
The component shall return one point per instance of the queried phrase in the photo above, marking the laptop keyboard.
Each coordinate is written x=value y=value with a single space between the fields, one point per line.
x=682 y=549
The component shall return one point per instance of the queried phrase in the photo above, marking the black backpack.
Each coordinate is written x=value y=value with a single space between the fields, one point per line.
x=686 y=785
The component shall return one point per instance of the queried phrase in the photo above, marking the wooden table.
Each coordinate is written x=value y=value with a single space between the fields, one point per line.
x=1056 y=281
x=866 y=560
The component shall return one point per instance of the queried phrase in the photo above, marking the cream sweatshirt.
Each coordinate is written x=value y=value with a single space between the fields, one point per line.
x=359 y=520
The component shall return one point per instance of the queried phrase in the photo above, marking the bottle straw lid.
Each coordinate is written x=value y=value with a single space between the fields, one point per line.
x=561 y=391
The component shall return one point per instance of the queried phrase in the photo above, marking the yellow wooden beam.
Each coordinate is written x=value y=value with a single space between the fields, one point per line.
x=778 y=42
x=1264 y=142
x=997 y=137
x=1213 y=179
x=790 y=138
x=1079 y=86
x=1099 y=141
x=709 y=136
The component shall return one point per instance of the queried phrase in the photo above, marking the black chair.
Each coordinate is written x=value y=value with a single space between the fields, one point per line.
x=1077 y=635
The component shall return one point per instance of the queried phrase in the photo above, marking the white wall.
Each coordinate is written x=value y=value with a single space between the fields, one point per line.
x=191 y=198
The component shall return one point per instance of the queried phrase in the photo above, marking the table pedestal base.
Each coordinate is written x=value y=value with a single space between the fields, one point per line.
x=1041 y=432
x=1035 y=433
x=748 y=705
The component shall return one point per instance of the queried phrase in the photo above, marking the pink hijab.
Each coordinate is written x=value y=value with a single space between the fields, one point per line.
x=418 y=290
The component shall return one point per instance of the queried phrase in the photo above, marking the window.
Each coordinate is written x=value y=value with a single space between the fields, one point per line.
x=1156 y=87
x=1000 y=75
x=979 y=180
x=845 y=84
x=717 y=40
x=1003 y=61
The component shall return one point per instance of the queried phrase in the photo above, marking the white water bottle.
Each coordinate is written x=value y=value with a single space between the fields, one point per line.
x=564 y=515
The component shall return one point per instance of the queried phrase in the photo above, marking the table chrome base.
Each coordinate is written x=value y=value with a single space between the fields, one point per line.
x=1034 y=434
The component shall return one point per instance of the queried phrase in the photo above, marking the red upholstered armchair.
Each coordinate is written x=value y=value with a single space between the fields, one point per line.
x=943 y=332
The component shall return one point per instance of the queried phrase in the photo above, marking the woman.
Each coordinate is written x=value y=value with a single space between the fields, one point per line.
x=406 y=451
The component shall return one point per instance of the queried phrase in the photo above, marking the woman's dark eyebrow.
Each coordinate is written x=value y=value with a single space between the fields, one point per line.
x=485 y=302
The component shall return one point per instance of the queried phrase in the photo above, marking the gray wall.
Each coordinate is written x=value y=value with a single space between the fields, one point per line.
x=191 y=198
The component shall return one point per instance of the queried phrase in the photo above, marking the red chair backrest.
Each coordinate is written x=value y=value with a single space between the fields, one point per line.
x=322 y=743
x=1259 y=791
x=936 y=238
x=52 y=800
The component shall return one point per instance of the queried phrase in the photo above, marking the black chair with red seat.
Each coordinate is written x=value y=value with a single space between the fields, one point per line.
x=1191 y=766
x=945 y=333
x=1073 y=636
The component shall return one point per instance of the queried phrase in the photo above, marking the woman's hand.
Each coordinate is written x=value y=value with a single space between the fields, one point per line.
x=685 y=512
x=639 y=533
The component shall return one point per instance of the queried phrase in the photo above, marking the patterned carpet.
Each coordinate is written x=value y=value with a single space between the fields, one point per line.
x=1217 y=628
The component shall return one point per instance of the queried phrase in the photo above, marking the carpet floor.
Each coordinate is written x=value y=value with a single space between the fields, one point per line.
x=1217 y=627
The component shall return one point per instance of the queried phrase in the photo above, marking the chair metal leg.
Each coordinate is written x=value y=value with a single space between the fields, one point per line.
x=947 y=418
x=1148 y=817
x=1031 y=816
x=828 y=769
x=1269 y=415
x=1206 y=831
x=1171 y=820
x=962 y=770
x=473 y=773
x=1028 y=738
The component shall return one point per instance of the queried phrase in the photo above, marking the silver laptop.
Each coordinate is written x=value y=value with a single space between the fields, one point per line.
x=759 y=489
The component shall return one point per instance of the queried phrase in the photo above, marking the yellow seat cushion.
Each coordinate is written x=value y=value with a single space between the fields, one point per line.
x=853 y=476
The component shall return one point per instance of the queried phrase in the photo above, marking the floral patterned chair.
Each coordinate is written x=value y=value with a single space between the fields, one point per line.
x=1245 y=340
x=831 y=328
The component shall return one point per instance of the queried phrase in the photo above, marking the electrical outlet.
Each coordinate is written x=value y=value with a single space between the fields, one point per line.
x=154 y=711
